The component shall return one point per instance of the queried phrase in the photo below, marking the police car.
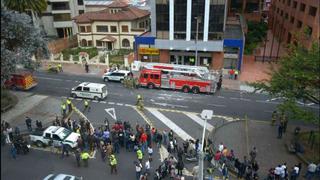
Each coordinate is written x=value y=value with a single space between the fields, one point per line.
x=89 y=90
x=115 y=76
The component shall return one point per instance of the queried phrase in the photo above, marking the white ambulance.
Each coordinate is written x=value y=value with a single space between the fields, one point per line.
x=89 y=90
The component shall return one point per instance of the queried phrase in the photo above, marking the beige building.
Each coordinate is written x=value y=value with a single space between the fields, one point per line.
x=112 y=28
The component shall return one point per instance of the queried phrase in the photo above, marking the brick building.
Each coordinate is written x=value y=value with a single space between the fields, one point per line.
x=290 y=17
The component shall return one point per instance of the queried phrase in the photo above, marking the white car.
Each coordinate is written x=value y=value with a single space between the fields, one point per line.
x=94 y=91
x=115 y=75
x=61 y=177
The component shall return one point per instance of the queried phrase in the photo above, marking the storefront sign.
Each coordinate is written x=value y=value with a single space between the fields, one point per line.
x=231 y=56
x=148 y=51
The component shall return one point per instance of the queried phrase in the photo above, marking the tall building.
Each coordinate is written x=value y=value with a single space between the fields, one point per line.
x=57 y=19
x=175 y=24
x=289 y=17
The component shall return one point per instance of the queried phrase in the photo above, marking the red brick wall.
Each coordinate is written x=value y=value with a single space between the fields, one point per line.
x=164 y=56
x=57 y=46
x=217 y=62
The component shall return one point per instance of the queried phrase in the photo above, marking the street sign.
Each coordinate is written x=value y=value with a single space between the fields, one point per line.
x=111 y=112
x=206 y=114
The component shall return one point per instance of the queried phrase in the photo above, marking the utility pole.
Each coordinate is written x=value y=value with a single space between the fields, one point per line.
x=198 y=18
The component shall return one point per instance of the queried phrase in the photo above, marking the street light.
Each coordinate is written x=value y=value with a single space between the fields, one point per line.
x=198 y=18
x=205 y=114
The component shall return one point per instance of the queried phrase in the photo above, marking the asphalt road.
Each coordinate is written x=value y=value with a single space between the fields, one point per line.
x=225 y=102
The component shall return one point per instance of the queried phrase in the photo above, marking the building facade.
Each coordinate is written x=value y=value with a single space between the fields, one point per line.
x=176 y=25
x=57 y=19
x=112 y=28
x=288 y=18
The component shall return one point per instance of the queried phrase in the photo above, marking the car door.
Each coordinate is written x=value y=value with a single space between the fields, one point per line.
x=56 y=140
x=47 y=138
x=78 y=91
x=86 y=92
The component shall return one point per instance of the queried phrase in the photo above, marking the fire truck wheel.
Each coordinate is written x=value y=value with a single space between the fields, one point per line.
x=150 y=85
x=186 y=89
x=195 y=90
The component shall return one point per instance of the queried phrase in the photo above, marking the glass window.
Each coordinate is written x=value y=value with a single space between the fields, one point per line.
x=295 y=4
x=125 y=43
x=86 y=89
x=156 y=76
x=292 y=19
x=62 y=17
x=308 y=31
x=312 y=11
x=47 y=135
x=145 y=76
x=80 y=2
x=82 y=28
x=286 y=16
x=113 y=28
x=79 y=88
x=89 y=43
x=162 y=9
x=56 y=137
x=88 y=28
x=299 y=24
x=102 y=29
x=98 y=43
x=81 y=11
x=64 y=133
x=288 y=2
x=124 y=29
x=151 y=76
x=302 y=7
x=60 y=6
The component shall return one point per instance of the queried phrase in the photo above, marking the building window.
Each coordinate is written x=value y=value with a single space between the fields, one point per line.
x=302 y=7
x=62 y=17
x=283 y=1
x=102 y=29
x=98 y=43
x=124 y=29
x=308 y=31
x=83 y=43
x=281 y=14
x=89 y=43
x=286 y=16
x=291 y=19
x=80 y=2
x=295 y=4
x=312 y=11
x=81 y=11
x=299 y=24
x=289 y=2
x=113 y=28
x=88 y=28
x=278 y=10
x=125 y=43
x=60 y=6
x=82 y=29
x=141 y=25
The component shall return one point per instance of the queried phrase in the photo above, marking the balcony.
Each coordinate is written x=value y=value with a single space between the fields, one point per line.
x=62 y=24
x=60 y=11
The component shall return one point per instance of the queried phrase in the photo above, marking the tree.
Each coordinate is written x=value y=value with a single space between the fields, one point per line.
x=21 y=6
x=20 y=40
x=297 y=78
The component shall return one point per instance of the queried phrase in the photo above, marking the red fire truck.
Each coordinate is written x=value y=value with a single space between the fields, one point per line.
x=195 y=79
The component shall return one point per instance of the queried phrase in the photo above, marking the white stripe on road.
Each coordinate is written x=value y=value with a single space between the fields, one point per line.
x=38 y=77
x=180 y=132
x=217 y=105
x=111 y=103
x=260 y=101
x=103 y=102
x=78 y=99
x=200 y=121
x=119 y=104
x=129 y=105
x=233 y=98
x=95 y=101
x=220 y=96
x=244 y=99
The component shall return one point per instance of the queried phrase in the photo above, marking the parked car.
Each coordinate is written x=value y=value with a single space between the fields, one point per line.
x=115 y=76
x=62 y=177
x=56 y=135
x=94 y=91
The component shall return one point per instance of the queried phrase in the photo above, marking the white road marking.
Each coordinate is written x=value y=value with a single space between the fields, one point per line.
x=233 y=98
x=267 y=102
x=119 y=104
x=103 y=102
x=95 y=101
x=111 y=103
x=111 y=112
x=129 y=105
x=273 y=99
x=63 y=96
x=54 y=79
x=217 y=105
x=71 y=98
x=180 y=132
x=68 y=80
x=244 y=99
x=78 y=99
x=220 y=97
x=200 y=121
x=171 y=105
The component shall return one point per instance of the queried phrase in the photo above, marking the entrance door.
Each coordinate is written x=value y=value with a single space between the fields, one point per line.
x=109 y=45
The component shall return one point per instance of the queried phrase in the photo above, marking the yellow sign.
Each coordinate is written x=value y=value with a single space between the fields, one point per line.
x=148 y=51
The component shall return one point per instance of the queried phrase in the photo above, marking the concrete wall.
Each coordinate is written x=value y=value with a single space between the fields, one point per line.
x=164 y=56
x=58 y=45
x=217 y=60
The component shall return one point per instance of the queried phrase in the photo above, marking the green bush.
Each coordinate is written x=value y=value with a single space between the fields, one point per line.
x=257 y=31
x=93 y=51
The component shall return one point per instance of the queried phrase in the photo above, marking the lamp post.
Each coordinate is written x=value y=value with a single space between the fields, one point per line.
x=198 y=18
x=205 y=114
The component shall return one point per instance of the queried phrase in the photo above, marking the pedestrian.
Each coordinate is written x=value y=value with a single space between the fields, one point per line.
x=63 y=109
x=150 y=152
x=219 y=84
x=86 y=106
x=85 y=157
x=68 y=101
x=65 y=150
x=294 y=173
x=225 y=173
x=10 y=133
x=17 y=131
x=253 y=154
x=86 y=65
x=180 y=167
x=147 y=167
x=77 y=155
x=13 y=151
x=143 y=141
x=113 y=164
x=311 y=170
x=231 y=73
x=280 y=130
x=165 y=137
x=138 y=170
x=29 y=123
x=274 y=117
x=139 y=155
x=236 y=73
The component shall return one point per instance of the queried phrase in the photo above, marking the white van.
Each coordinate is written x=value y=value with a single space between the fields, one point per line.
x=115 y=75
x=94 y=91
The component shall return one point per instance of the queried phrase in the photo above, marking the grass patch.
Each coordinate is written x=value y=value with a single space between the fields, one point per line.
x=312 y=155
x=75 y=52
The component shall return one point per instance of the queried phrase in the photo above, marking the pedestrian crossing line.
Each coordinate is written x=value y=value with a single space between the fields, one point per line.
x=71 y=98
x=119 y=104
x=180 y=132
x=200 y=121
x=111 y=103
x=128 y=105
x=78 y=99
x=95 y=101
x=103 y=102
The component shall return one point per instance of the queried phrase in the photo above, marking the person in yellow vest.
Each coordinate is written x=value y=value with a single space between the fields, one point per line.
x=68 y=101
x=60 y=67
x=86 y=105
x=63 y=109
x=139 y=155
x=113 y=164
x=85 y=157
x=139 y=101
x=236 y=73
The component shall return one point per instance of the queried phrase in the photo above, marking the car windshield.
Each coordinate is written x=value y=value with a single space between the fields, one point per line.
x=64 y=133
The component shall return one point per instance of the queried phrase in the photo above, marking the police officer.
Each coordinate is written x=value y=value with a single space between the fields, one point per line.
x=139 y=155
x=77 y=155
x=60 y=67
x=85 y=157
x=86 y=105
x=139 y=101
x=113 y=163
x=274 y=118
x=69 y=105
x=63 y=109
